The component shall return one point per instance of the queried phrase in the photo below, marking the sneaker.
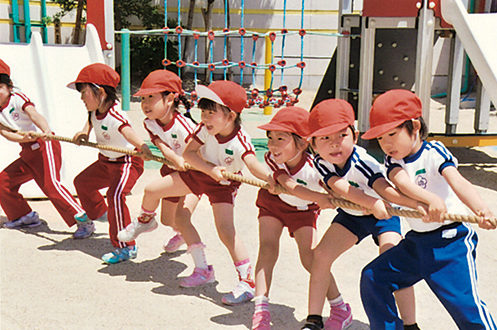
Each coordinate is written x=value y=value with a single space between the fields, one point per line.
x=339 y=319
x=198 y=277
x=242 y=293
x=126 y=253
x=311 y=326
x=261 y=320
x=135 y=228
x=86 y=227
x=174 y=243
x=31 y=219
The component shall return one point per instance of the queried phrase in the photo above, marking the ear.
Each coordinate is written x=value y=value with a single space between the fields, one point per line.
x=416 y=125
x=102 y=92
x=356 y=134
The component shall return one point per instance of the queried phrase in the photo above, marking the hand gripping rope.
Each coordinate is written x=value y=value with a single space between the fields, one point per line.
x=260 y=184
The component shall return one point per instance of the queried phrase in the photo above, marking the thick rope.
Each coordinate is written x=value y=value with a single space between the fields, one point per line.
x=278 y=189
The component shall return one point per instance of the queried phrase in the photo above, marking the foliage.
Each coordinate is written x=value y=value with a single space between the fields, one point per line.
x=66 y=6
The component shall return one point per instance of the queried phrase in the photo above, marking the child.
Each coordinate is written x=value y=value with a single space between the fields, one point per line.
x=39 y=160
x=292 y=167
x=351 y=173
x=97 y=84
x=440 y=252
x=161 y=93
x=219 y=143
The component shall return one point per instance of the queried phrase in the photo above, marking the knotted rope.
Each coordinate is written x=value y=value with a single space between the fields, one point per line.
x=278 y=189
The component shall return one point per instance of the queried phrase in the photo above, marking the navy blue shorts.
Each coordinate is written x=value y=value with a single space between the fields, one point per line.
x=364 y=225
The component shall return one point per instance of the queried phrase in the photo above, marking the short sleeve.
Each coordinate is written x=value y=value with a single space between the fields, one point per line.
x=440 y=157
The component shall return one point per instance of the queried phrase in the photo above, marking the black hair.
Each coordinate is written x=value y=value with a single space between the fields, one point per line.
x=109 y=90
x=186 y=103
x=423 y=130
x=207 y=104
x=5 y=79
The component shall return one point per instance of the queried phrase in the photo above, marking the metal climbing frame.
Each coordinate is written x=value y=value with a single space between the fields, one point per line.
x=424 y=17
x=27 y=21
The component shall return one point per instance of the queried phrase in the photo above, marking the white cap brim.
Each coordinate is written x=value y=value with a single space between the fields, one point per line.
x=204 y=92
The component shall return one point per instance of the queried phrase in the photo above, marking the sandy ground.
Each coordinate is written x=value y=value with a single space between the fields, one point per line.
x=51 y=281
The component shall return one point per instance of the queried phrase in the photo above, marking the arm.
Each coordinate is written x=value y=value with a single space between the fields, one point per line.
x=389 y=193
x=358 y=196
x=84 y=134
x=303 y=193
x=133 y=138
x=169 y=154
x=436 y=206
x=14 y=137
x=468 y=194
x=192 y=157
x=38 y=119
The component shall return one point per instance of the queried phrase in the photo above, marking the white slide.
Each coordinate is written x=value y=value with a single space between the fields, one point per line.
x=478 y=34
x=42 y=73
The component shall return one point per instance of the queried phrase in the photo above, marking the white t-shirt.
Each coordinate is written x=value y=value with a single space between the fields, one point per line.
x=361 y=170
x=304 y=174
x=175 y=134
x=13 y=115
x=107 y=128
x=425 y=169
x=228 y=151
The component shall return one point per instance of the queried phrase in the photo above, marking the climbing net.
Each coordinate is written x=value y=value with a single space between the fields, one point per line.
x=273 y=95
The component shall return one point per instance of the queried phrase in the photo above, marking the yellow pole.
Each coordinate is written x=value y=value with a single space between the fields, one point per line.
x=267 y=74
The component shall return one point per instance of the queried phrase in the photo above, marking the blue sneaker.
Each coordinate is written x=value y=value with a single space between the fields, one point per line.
x=242 y=293
x=31 y=219
x=86 y=227
x=126 y=253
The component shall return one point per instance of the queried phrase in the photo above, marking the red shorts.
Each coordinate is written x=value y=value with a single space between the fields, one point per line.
x=166 y=170
x=272 y=206
x=200 y=183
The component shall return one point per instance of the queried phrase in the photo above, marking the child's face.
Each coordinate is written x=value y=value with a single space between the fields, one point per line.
x=156 y=107
x=398 y=143
x=89 y=98
x=336 y=148
x=218 y=122
x=282 y=147
x=4 y=94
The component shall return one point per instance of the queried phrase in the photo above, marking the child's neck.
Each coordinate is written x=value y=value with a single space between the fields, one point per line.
x=167 y=117
x=292 y=163
x=416 y=146
x=103 y=109
x=228 y=130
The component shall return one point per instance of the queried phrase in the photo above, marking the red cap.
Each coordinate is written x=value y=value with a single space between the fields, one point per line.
x=330 y=116
x=160 y=81
x=289 y=119
x=391 y=109
x=4 y=68
x=225 y=93
x=98 y=74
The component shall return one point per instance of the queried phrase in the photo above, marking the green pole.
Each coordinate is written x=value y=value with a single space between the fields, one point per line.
x=125 y=70
x=27 y=21
x=15 y=19
x=43 y=23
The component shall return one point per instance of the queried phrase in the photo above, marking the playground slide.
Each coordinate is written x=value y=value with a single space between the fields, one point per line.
x=478 y=34
x=42 y=73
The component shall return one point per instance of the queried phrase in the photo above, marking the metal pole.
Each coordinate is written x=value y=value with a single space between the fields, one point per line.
x=43 y=24
x=27 y=22
x=125 y=70
x=267 y=74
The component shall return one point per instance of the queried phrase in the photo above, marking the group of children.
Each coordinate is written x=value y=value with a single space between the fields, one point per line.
x=312 y=155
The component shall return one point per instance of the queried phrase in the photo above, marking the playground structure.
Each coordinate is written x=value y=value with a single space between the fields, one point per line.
x=363 y=65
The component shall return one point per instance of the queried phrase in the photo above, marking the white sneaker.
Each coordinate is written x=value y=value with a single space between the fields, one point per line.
x=135 y=228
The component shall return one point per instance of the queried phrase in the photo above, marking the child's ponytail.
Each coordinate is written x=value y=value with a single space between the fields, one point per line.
x=188 y=105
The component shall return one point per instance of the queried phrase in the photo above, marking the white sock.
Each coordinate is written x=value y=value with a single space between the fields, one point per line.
x=146 y=216
x=244 y=270
x=261 y=303
x=338 y=303
x=197 y=252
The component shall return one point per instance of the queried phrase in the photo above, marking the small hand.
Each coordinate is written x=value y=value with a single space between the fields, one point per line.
x=380 y=209
x=217 y=173
x=179 y=164
x=145 y=151
x=436 y=210
x=484 y=222
x=80 y=137
x=272 y=184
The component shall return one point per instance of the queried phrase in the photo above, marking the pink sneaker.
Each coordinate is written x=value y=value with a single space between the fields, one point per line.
x=198 y=277
x=261 y=320
x=174 y=243
x=339 y=319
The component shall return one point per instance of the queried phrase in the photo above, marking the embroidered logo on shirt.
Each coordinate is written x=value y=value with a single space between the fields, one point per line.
x=228 y=151
x=421 y=181
x=353 y=184
x=421 y=171
x=176 y=144
x=104 y=127
x=106 y=135
x=12 y=110
x=302 y=182
x=174 y=136
x=229 y=160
